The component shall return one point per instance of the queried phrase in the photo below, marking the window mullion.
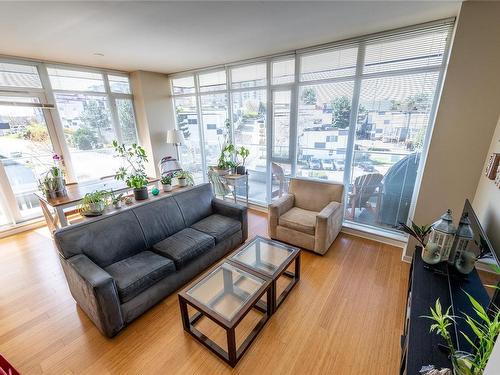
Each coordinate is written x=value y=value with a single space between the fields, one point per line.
x=113 y=109
x=353 y=117
x=200 y=127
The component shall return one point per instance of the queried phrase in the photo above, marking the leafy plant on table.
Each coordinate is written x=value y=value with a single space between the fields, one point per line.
x=420 y=233
x=185 y=175
x=485 y=327
x=166 y=180
x=133 y=173
x=92 y=201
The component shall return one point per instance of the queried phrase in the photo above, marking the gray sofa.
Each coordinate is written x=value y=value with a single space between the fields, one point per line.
x=120 y=265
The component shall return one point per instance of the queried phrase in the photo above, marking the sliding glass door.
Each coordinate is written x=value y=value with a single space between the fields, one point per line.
x=25 y=153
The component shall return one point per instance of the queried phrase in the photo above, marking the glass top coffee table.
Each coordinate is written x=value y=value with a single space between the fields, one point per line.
x=225 y=295
x=272 y=259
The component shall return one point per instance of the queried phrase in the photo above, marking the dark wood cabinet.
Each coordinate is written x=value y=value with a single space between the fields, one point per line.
x=426 y=285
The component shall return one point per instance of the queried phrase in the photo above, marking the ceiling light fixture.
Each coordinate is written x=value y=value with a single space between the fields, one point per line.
x=98 y=54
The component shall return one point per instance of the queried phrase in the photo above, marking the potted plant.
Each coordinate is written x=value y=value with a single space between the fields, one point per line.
x=166 y=182
x=93 y=204
x=57 y=173
x=430 y=250
x=243 y=152
x=116 y=200
x=185 y=178
x=225 y=163
x=133 y=173
x=48 y=186
x=485 y=326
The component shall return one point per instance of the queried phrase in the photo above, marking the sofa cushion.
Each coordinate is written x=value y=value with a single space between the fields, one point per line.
x=184 y=246
x=136 y=274
x=195 y=203
x=299 y=220
x=105 y=240
x=218 y=226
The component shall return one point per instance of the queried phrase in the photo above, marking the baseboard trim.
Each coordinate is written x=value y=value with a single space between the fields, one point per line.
x=389 y=240
x=33 y=224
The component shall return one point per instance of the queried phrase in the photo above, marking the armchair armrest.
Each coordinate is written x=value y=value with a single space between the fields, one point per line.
x=328 y=225
x=95 y=292
x=235 y=211
x=276 y=209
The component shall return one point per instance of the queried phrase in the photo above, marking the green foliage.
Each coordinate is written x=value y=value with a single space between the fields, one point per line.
x=442 y=321
x=417 y=232
x=166 y=180
x=185 y=175
x=134 y=172
x=90 y=200
x=308 y=96
x=413 y=103
x=84 y=138
x=485 y=328
x=116 y=198
x=226 y=157
x=36 y=132
x=341 y=112
x=126 y=120
x=243 y=152
x=96 y=116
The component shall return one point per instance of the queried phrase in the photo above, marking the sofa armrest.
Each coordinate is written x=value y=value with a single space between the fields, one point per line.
x=235 y=211
x=95 y=292
x=328 y=226
x=276 y=209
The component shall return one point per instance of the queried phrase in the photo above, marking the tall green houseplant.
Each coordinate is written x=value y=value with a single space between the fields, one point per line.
x=134 y=171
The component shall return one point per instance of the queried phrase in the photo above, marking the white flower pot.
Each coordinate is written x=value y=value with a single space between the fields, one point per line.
x=167 y=188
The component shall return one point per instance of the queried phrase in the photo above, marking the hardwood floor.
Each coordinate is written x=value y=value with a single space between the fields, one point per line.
x=344 y=317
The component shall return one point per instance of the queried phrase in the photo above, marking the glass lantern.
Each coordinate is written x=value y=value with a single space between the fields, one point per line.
x=463 y=237
x=442 y=234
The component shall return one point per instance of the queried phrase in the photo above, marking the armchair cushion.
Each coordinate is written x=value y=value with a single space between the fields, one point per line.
x=299 y=219
x=218 y=226
x=137 y=273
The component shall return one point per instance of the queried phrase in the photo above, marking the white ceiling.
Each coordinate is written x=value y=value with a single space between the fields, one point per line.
x=173 y=36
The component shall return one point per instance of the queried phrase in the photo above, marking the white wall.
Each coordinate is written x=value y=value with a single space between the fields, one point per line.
x=154 y=111
x=467 y=115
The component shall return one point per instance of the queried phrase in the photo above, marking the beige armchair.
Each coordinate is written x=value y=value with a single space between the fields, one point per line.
x=309 y=216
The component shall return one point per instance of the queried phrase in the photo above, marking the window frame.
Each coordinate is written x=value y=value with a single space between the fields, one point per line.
x=357 y=78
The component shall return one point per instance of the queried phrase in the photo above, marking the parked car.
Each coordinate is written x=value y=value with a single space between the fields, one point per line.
x=315 y=164
x=339 y=165
x=328 y=164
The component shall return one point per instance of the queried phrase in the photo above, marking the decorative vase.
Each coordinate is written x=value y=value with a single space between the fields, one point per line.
x=465 y=262
x=431 y=253
x=60 y=187
x=141 y=193
x=167 y=188
x=240 y=169
x=462 y=363
x=51 y=194
x=182 y=182
x=155 y=191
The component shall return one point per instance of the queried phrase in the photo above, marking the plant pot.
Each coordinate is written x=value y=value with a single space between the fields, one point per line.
x=141 y=193
x=117 y=204
x=182 y=182
x=51 y=194
x=240 y=169
x=465 y=262
x=431 y=254
x=60 y=187
x=97 y=207
x=167 y=188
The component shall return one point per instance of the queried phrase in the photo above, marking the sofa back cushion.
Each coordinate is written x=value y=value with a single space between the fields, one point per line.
x=315 y=195
x=105 y=241
x=195 y=204
x=160 y=219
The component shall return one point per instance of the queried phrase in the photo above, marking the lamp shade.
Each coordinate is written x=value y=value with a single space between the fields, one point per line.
x=175 y=137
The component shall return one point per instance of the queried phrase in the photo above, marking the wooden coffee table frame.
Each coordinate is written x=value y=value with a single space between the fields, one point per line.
x=233 y=354
x=280 y=271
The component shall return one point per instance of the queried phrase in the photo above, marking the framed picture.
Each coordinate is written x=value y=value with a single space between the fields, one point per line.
x=492 y=166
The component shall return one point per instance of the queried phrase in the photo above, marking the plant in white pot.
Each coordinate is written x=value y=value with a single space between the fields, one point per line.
x=93 y=204
x=133 y=173
x=166 y=182
x=116 y=200
x=185 y=178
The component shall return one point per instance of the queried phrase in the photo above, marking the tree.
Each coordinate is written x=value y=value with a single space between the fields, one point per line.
x=95 y=116
x=412 y=104
x=126 y=120
x=341 y=112
x=84 y=139
x=36 y=132
x=309 y=96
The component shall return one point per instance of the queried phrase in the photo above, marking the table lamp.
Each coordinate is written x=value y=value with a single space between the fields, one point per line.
x=175 y=137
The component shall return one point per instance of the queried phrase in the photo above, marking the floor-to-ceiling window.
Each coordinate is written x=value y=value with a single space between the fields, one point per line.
x=69 y=111
x=356 y=112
